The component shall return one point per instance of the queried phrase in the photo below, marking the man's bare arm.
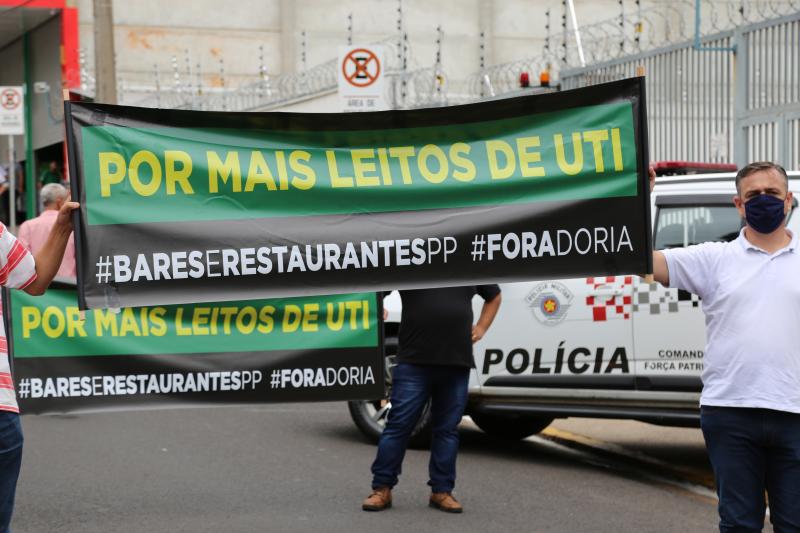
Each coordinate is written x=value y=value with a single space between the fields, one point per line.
x=48 y=260
x=660 y=270
x=488 y=312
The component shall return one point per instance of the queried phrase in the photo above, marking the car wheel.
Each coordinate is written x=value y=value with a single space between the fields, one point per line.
x=510 y=426
x=369 y=416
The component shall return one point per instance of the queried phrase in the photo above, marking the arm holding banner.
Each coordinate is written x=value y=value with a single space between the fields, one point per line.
x=660 y=270
x=48 y=260
x=690 y=265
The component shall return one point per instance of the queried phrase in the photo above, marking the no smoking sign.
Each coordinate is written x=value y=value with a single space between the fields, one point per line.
x=12 y=117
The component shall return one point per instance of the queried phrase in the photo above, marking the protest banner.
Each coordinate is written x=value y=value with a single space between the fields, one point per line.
x=322 y=348
x=186 y=206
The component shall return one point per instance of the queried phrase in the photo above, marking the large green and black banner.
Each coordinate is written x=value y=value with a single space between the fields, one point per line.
x=186 y=206
x=321 y=348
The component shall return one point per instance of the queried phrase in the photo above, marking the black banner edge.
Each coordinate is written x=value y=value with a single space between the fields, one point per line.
x=76 y=186
x=6 y=299
x=505 y=108
x=644 y=156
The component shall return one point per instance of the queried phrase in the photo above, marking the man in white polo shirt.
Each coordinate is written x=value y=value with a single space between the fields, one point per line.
x=750 y=405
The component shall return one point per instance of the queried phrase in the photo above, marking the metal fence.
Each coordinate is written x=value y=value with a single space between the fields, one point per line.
x=690 y=98
x=735 y=97
x=768 y=109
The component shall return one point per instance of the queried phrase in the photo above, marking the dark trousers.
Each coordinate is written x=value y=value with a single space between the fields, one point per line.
x=10 y=461
x=412 y=385
x=754 y=451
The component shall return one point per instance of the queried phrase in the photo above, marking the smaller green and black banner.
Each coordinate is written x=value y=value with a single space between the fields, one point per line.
x=323 y=348
x=189 y=206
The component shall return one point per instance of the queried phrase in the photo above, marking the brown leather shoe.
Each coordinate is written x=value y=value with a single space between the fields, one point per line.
x=379 y=500
x=444 y=501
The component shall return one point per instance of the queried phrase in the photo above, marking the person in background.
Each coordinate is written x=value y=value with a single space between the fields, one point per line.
x=19 y=269
x=20 y=179
x=33 y=234
x=433 y=362
x=750 y=404
x=50 y=175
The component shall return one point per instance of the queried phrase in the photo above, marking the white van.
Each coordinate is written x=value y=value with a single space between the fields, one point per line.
x=606 y=347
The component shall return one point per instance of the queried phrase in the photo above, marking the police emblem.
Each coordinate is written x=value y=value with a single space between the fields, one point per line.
x=549 y=302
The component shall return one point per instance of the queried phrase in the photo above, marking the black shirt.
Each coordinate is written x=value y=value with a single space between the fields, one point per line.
x=436 y=325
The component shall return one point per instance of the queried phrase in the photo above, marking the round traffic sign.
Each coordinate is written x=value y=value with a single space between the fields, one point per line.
x=361 y=67
x=10 y=99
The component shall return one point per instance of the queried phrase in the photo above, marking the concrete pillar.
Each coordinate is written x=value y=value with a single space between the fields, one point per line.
x=104 y=60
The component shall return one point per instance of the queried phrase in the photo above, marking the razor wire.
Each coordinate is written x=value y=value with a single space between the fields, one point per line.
x=629 y=33
x=268 y=91
x=626 y=34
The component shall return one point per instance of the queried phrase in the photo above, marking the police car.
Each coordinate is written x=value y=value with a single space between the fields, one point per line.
x=605 y=347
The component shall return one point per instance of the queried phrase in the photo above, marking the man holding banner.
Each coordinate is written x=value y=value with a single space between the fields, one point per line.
x=750 y=405
x=20 y=270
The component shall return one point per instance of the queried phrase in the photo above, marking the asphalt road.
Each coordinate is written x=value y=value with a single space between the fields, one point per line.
x=286 y=468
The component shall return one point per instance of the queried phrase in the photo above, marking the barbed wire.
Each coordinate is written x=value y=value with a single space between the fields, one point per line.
x=267 y=92
x=630 y=32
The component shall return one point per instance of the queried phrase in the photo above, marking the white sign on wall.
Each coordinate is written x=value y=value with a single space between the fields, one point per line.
x=12 y=115
x=361 y=72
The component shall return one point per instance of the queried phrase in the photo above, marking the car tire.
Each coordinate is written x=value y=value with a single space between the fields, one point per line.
x=369 y=416
x=510 y=426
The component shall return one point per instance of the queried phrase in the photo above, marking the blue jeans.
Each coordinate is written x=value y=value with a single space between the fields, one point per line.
x=412 y=385
x=754 y=451
x=10 y=461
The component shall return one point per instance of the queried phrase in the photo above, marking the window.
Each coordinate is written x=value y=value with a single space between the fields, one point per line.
x=684 y=225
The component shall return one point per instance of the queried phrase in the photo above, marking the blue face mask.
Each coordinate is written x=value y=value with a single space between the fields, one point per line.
x=764 y=213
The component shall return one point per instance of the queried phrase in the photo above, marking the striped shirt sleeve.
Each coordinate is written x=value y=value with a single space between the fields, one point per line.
x=17 y=267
